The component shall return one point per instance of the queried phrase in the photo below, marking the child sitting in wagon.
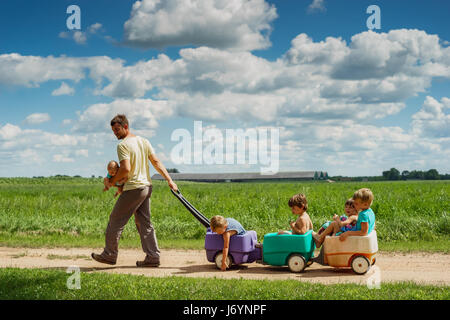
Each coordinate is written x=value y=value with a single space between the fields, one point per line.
x=360 y=222
x=363 y=199
x=303 y=224
x=346 y=222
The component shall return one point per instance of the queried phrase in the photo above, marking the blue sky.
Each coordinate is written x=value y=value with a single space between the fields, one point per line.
x=345 y=99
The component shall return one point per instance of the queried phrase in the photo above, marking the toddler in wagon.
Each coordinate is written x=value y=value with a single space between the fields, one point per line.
x=227 y=227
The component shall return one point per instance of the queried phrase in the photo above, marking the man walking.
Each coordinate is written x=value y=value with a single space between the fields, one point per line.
x=133 y=152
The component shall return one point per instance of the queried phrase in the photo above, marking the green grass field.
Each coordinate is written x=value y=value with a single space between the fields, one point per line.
x=49 y=212
x=410 y=215
x=51 y=284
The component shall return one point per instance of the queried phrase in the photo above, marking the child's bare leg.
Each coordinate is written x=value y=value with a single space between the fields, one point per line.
x=332 y=228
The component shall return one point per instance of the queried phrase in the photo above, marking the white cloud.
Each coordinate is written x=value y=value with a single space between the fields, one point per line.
x=325 y=94
x=405 y=51
x=143 y=115
x=316 y=5
x=432 y=120
x=29 y=155
x=30 y=71
x=81 y=37
x=369 y=78
x=37 y=118
x=231 y=24
x=327 y=79
x=94 y=28
x=304 y=50
x=20 y=146
x=64 y=89
x=62 y=158
x=82 y=153
x=13 y=137
x=9 y=131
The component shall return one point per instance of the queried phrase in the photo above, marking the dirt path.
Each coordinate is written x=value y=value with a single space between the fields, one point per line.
x=423 y=268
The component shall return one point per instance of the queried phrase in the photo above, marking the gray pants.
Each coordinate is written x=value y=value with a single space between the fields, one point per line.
x=135 y=201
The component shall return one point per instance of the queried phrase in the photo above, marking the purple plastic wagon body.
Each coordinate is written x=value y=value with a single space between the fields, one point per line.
x=242 y=247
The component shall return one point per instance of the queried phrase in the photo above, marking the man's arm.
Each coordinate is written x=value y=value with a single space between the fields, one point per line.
x=158 y=165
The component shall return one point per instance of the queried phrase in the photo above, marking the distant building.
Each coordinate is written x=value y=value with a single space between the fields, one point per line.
x=245 y=176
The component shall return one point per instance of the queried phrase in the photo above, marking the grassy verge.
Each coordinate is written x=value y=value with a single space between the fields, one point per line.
x=74 y=212
x=67 y=241
x=51 y=284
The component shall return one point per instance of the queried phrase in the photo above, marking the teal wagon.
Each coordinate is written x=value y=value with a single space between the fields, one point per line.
x=292 y=250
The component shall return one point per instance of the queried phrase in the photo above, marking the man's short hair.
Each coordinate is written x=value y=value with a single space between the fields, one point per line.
x=120 y=119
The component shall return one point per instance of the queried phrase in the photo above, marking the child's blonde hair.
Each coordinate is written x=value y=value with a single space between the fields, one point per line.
x=218 y=222
x=298 y=200
x=364 y=194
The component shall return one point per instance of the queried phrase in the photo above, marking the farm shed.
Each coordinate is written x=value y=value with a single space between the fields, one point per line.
x=245 y=176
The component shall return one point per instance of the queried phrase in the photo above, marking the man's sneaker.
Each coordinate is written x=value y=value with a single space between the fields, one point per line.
x=99 y=258
x=147 y=263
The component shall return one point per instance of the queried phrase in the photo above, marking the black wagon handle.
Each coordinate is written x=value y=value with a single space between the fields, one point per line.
x=197 y=214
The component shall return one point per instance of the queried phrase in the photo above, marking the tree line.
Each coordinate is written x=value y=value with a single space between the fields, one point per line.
x=432 y=174
x=394 y=174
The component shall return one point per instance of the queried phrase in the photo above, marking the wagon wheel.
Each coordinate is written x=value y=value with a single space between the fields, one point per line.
x=360 y=264
x=296 y=263
x=218 y=260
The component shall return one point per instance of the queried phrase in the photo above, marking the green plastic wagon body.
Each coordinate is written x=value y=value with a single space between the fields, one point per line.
x=288 y=249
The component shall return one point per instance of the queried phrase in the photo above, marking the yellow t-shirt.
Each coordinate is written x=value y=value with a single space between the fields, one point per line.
x=137 y=150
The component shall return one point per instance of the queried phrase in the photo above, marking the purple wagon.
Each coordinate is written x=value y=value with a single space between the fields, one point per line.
x=243 y=248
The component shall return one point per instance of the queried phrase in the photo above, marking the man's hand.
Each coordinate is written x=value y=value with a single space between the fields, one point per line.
x=172 y=185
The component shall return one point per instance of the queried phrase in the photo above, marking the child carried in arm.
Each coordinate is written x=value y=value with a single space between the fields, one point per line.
x=113 y=168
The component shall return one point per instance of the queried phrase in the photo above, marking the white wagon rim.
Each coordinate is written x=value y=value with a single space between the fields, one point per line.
x=296 y=263
x=218 y=260
x=360 y=264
